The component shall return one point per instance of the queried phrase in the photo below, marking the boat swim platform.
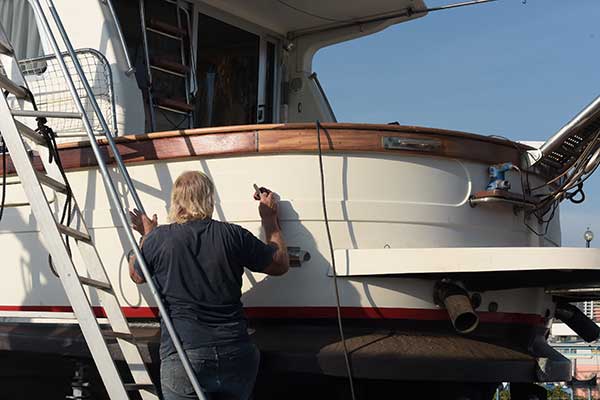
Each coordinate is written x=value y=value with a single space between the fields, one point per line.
x=558 y=269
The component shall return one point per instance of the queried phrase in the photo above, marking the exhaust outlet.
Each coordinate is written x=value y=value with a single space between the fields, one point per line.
x=458 y=304
x=584 y=327
x=297 y=256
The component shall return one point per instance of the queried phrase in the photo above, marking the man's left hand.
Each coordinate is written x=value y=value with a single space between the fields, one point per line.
x=141 y=223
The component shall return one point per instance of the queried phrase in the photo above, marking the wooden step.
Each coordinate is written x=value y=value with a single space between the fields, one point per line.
x=130 y=387
x=12 y=87
x=169 y=66
x=165 y=29
x=74 y=233
x=175 y=105
x=52 y=183
x=118 y=335
x=31 y=134
x=95 y=284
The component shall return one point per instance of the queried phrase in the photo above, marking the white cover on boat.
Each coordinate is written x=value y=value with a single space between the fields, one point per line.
x=285 y=16
x=18 y=20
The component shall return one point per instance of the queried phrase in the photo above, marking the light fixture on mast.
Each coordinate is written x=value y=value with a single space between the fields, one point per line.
x=588 y=236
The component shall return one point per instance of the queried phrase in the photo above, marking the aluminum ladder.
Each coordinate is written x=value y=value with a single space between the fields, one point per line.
x=13 y=133
x=179 y=69
x=52 y=230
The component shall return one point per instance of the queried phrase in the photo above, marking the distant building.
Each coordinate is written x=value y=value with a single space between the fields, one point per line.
x=591 y=309
x=585 y=357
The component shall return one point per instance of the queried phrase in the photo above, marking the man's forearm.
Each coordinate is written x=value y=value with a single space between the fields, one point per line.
x=132 y=272
x=274 y=237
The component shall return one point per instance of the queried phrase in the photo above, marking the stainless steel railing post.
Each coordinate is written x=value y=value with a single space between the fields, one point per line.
x=111 y=8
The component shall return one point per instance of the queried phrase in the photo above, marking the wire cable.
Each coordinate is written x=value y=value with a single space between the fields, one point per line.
x=381 y=17
x=53 y=155
x=308 y=12
x=2 y=202
x=3 y=149
x=335 y=277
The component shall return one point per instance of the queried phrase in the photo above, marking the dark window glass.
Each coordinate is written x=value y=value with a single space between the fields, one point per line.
x=269 y=84
x=227 y=73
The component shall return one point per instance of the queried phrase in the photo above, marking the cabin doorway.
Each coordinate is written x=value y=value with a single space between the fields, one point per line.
x=198 y=71
x=227 y=74
x=235 y=74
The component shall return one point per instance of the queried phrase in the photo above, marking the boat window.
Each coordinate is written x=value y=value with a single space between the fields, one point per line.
x=18 y=20
x=227 y=73
x=266 y=82
x=229 y=82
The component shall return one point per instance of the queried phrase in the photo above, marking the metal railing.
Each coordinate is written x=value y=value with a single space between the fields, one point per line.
x=130 y=68
x=51 y=91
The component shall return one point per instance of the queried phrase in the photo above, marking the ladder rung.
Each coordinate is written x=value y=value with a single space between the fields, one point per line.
x=53 y=183
x=178 y=106
x=118 y=335
x=94 y=283
x=74 y=233
x=169 y=67
x=12 y=87
x=167 y=71
x=31 y=134
x=138 y=386
x=47 y=114
x=165 y=29
x=13 y=183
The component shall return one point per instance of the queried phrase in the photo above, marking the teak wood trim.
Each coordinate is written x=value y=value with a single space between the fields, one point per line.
x=287 y=138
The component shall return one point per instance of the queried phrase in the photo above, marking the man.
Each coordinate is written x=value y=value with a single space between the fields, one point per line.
x=197 y=264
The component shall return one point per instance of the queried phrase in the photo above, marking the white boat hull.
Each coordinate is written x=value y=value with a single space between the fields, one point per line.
x=388 y=213
x=374 y=202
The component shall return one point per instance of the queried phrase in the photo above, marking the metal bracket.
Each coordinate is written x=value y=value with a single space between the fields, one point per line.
x=411 y=144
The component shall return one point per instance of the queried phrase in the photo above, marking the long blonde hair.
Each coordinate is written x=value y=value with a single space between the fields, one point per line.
x=193 y=197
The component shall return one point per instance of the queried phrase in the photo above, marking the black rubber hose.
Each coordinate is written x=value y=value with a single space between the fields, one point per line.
x=333 y=266
x=575 y=319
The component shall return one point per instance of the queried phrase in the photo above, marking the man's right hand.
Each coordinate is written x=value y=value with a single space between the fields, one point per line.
x=141 y=223
x=268 y=210
x=268 y=207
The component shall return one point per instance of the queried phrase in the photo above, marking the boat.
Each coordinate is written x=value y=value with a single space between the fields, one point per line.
x=437 y=253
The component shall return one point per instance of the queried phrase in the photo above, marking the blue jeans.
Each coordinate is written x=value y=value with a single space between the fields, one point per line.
x=225 y=372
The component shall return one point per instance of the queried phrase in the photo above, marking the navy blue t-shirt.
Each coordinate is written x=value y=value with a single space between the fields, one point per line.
x=197 y=267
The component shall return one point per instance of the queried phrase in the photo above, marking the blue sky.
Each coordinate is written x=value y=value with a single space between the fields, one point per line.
x=504 y=68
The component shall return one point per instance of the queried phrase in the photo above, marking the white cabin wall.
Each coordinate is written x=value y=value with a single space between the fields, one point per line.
x=90 y=25
x=306 y=103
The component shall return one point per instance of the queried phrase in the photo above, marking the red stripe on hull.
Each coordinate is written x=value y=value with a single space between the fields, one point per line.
x=132 y=312
x=420 y=314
